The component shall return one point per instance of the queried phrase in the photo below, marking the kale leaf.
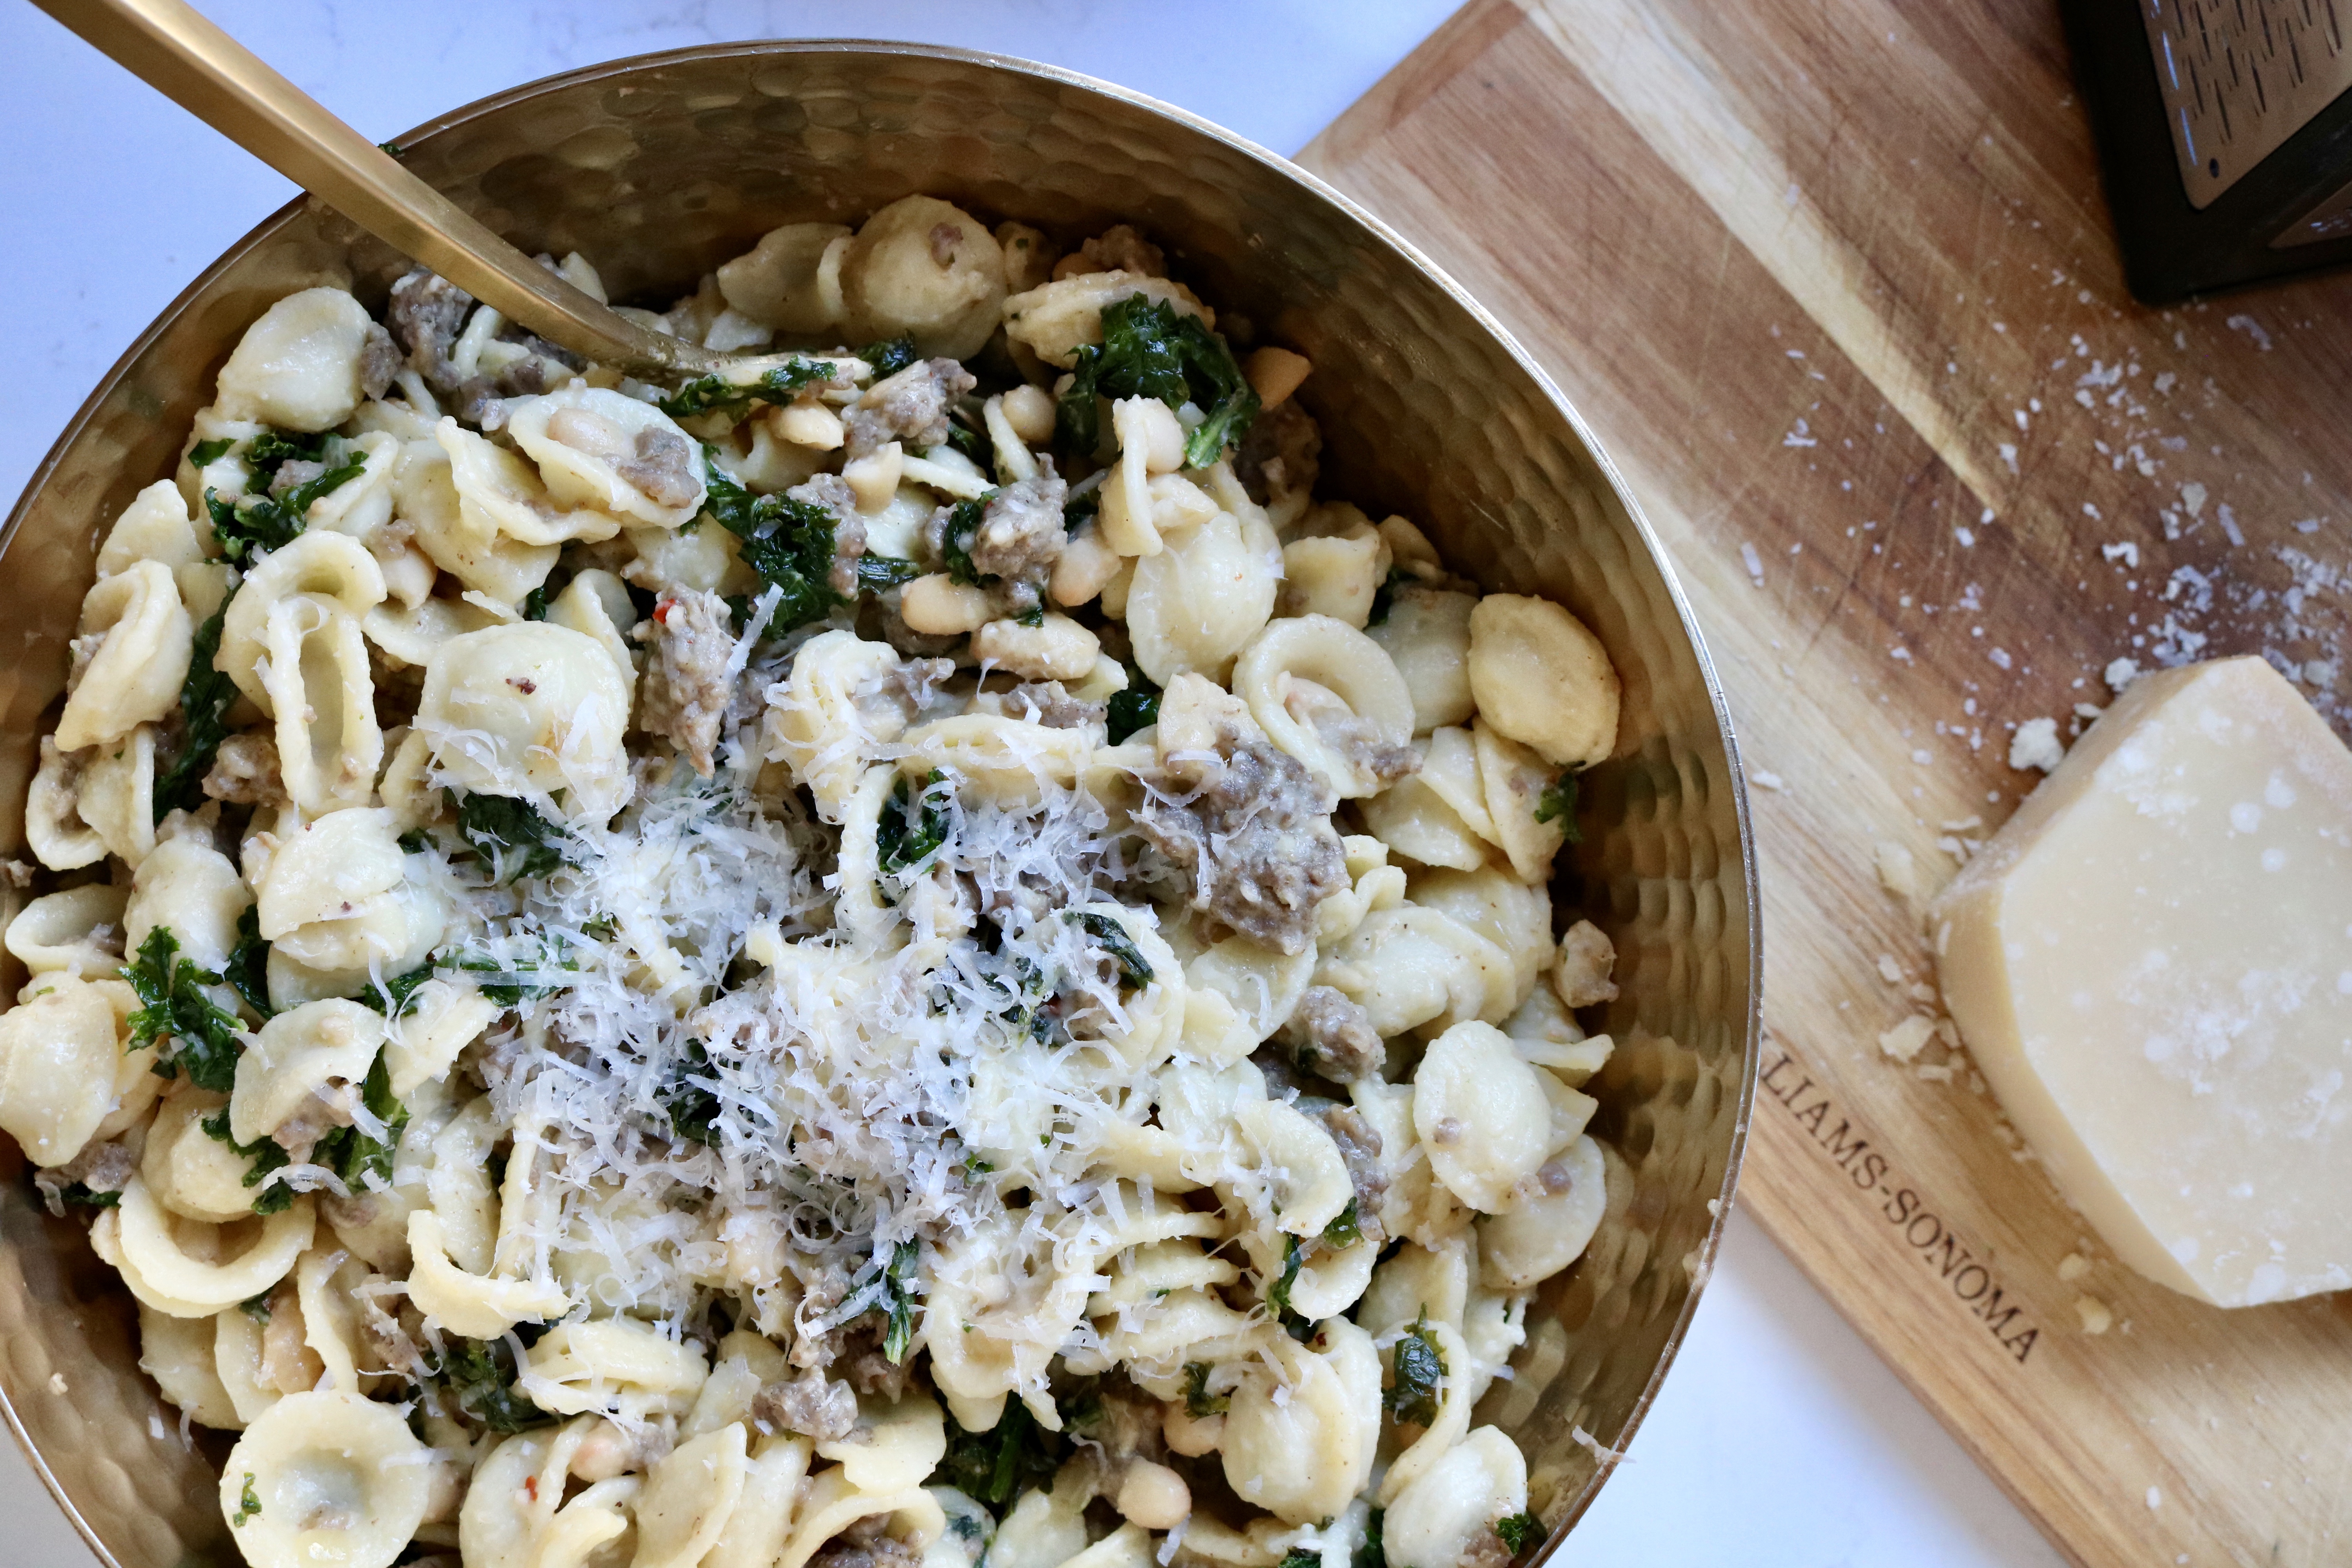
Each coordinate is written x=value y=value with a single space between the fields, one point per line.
x=972 y=444
x=1133 y=967
x=247 y=970
x=955 y=541
x=898 y=1300
x=263 y=523
x=1557 y=803
x=1373 y=1553
x=249 y=1506
x=1299 y=1557
x=720 y=393
x=510 y=834
x=1079 y=512
x=912 y=828
x=204 y=454
x=1199 y=1403
x=1344 y=1230
x=1412 y=1396
x=789 y=544
x=889 y=356
x=390 y=997
x=205 y=698
x=876 y=573
x=1135 y=706
x=272 y=449
x=480 y=1378
x=265 y=1156
x=1384 y=596
x=1150 y=348
x=1517 y=1529
x=175 y=1005
x=1277 y=1295
x=352 y=1154
x=534 y=603
x=89 y=1197
x=693 y=1111
x=997 y=1466
x=505 y=983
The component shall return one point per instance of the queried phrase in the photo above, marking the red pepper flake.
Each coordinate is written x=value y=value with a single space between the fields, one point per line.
x=661 y=611
x=530 y=1485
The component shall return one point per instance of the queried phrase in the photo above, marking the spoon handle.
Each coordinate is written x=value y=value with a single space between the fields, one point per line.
x=172 y=48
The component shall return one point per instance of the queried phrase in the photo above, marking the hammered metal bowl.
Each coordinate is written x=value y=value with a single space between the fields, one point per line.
x=659 y=168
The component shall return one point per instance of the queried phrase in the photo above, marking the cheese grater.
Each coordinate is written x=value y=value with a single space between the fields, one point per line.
x=2225 y=132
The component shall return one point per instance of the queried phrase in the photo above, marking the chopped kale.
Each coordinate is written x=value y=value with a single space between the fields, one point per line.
x=479 y=1377
x=1133 y=967
x=1517 y=1529
x=1346 y=1230
x=1557 y=803
x=1299 y=1557
x=174 y=1006
x=1384 y=596
x=972 y=444
x=692 y=1109
x=510 y=984
x=534 y=603
x=264 y=1156
x=1411 y=1397
x=876 y=573
x=204 y=454
x=510 y=834
x=898 y=1300
x=205 y=698
x=352 y=1154
x=1134 y=707
x=720 y=393
x=249 y=1506
x=273 y=449
x=390 y=997
x=997 y=1466
x=392 y=149
x=1079 y=512
x=1277 y=1295
x=261 y=523
x=415 y=841
x=1199 y=1403
x=912 y=828
x=89 y=1197
x=788 y=542
x=1149 y=348
x=1373 y=1553
x=256 y=1307
x=889 y=356
x=1032 y=617
x=973 y=1166
x=955 y=541
x=247 y=970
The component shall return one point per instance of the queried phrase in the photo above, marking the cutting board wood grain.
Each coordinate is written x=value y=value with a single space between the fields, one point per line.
x=1833 y=283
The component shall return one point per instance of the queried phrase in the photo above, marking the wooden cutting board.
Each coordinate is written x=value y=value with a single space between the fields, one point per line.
x=1834 y=285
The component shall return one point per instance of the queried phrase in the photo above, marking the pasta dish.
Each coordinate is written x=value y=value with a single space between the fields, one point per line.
x=910 y=954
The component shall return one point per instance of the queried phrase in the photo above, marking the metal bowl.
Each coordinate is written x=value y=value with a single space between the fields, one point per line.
x=661 y=167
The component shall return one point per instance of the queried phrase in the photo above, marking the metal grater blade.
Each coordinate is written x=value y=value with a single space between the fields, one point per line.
x=2239 y=77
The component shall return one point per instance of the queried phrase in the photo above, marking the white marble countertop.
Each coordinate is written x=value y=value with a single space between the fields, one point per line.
x=1778 y=1442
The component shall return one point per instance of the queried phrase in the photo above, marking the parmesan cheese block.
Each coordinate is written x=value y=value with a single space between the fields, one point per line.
x=2152 y=964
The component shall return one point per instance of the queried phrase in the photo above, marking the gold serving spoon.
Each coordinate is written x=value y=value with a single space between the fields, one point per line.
x=171 y=47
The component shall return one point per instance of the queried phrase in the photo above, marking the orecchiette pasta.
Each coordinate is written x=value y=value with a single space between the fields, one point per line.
x=135 y=636
x=741 y=973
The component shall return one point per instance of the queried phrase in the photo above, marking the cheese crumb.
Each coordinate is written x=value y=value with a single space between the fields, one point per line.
x=1897 y=873
x=2155 y=1498
x=1888 y=969
x=2036 y=745
x=2120 y=673
x=2097 y=1319
x=2073 y=1266
x=57 y=1383
x=1907 y=1038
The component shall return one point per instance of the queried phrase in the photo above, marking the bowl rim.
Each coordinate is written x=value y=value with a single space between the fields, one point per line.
x=1607 y=1458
